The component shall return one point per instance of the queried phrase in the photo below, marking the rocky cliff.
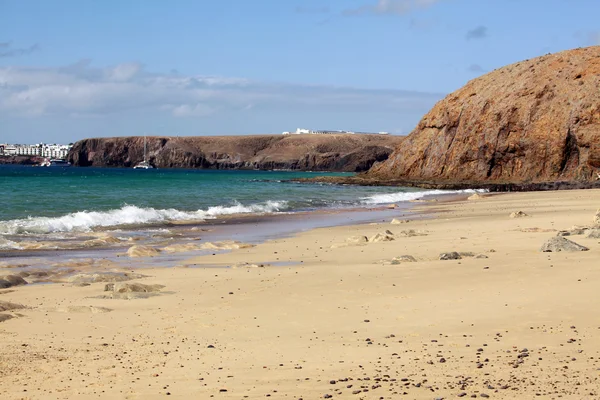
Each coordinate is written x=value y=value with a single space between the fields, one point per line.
x=534 y=121
x=296 y=152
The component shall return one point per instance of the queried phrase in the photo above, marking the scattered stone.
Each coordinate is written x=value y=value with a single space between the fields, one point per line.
x=466 y=254
x=5 y=317
x=396 y=221
x=572 y=232
x=85 y=309
x=103 y=277
x=453 y=255
x=596 y=219
x=536 y=230
x=403 y=259
x=142 y=251
x=476 y=196
x=593 y=234
x=412 y=233
x=559 y=243
x=248 y=265
x=481 y=256
x=379 y=237
x=518 y=214
x=132 y=287
x=6 y=306
x=131 y=290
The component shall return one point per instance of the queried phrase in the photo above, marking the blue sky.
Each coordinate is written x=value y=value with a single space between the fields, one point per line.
x=71 y=69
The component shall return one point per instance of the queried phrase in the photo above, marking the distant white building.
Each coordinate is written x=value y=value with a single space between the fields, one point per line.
x=302 y=131
x=40 y=150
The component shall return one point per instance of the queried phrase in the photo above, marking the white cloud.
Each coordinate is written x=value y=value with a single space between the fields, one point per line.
x=394 y=7
x=123 y=72
x=197 y=110
x=81 y=89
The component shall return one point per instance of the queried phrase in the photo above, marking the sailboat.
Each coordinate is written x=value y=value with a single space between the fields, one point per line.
x=144 y=164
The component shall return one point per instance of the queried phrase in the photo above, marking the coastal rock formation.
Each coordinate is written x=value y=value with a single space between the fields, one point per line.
x=534 y=121
x=352 y=153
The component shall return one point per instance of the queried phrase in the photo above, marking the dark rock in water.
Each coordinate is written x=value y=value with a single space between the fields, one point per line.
x=352 y=153
x=490 y=130
x=559 y=243
x=453 y=255
x=8 y=281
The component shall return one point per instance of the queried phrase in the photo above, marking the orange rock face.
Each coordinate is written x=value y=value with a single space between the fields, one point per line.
x=533 y=121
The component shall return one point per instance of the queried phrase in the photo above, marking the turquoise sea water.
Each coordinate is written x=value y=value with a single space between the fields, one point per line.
x=49 y=200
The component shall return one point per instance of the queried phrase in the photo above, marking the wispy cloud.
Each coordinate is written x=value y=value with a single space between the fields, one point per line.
x=81 y=89
x=6 y=50
x=390 y=7
x=475 y=68
x=479 y=32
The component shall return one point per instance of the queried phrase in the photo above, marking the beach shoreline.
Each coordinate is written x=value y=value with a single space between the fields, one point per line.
x=326 y=312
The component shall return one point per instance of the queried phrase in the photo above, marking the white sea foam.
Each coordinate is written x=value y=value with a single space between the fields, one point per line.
x=85 y=221
x=407 y=196
x=6 y=244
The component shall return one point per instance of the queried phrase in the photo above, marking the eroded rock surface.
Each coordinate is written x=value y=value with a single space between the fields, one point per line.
x=352 y=153
x=537 y=120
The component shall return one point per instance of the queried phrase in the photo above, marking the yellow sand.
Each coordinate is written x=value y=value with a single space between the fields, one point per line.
x=287 y=331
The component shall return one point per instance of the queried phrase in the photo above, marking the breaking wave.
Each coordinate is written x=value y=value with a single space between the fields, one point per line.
x=85 y=221
x=407 y=196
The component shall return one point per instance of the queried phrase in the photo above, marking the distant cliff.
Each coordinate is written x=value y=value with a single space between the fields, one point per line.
x=351 y=153
x=534 y=121
x=20 y=160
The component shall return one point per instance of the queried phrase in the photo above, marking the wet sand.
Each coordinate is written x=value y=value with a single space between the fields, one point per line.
x=313 y=315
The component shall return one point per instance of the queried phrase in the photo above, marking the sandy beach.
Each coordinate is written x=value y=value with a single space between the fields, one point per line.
x=317 y=315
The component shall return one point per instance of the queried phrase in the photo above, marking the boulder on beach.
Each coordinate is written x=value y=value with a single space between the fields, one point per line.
x=142 y=251
x=518 y=214
x=572 y=232
x=396 y=221
x=559 y=243
x=103 y=277
x=403 y=259
x=593 y=234
x=381 y=237
x=128 y=291
x=7 y=306
x=452 y=255
x=132 y=287
x=8 y=281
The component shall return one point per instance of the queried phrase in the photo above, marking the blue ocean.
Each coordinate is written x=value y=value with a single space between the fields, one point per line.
x=39 y=201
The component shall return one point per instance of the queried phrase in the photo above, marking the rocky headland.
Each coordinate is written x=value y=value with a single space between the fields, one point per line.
x=530 y=125
x=351 y=153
